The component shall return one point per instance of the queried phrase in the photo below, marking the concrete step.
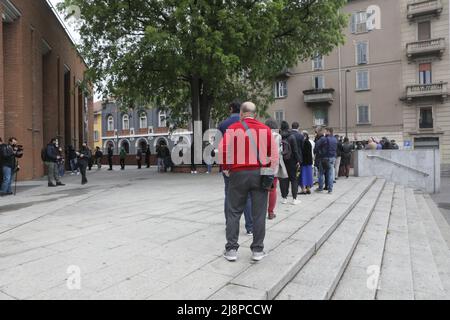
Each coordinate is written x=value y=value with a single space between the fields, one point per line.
x=441 y=223
x=319 y=277
x=426 y=280
x=267 y=279
x=396 y=279
x=438 y=245
x=361 y=277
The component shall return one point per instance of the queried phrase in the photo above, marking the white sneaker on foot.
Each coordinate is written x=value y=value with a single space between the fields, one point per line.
x=295 y=202
x=230 y=255
x=258 y=256
x=284 y=201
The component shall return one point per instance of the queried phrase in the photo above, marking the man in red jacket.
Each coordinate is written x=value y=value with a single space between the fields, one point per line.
x=247 y=151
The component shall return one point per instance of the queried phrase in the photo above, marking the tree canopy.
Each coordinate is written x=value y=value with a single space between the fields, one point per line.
x=196 y=56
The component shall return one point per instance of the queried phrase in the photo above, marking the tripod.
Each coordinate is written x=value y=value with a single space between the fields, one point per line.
x=15 y=177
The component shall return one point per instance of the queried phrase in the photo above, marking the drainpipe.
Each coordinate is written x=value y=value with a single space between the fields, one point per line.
x=340 y=85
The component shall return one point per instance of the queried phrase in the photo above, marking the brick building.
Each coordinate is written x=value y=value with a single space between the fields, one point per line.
x=41 y=73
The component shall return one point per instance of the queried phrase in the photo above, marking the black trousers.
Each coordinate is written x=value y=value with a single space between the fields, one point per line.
x=83 y=165
x=122 y=163
x=110 y=162
x=291 y=167
x=139 y=164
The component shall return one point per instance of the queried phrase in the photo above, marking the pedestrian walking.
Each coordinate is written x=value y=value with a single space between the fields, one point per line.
x=161 y=153
x=337 y=165
x=139 y=158
x=84 y=158
x=148 y=154
x=306 y=181
x=123 y=156
x=110 y=157
x=72 y=156
x=91 y=158
x=234 y=109
x=292 y=160
x=98 y=157
x=61 y=163
x=51 y=157
x=248 y=177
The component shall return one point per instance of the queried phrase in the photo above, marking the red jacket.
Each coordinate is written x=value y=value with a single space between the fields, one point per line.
x=237 y=153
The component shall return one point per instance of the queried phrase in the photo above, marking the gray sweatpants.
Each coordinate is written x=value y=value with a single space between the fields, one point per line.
x=53 y=174
x=241 y=185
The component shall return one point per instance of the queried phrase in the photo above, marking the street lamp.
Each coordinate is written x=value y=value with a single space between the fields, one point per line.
x=346 y=103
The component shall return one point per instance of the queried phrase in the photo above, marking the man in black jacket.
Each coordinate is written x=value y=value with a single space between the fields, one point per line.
x=110 y=157
x=292 y=160
x=51 y=158
x=9 y=153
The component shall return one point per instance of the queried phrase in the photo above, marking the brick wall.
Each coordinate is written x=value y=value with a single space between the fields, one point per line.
x=33 y=87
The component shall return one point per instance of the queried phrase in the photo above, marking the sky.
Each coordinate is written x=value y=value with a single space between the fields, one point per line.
x=69 y=24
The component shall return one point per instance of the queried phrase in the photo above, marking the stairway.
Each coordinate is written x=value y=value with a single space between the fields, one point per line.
x=376 y=240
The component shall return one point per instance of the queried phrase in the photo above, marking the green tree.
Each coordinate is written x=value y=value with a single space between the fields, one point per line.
x=208 y=52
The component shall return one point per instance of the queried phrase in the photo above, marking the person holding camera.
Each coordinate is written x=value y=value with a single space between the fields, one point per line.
x=51 y=159
x=10 y=166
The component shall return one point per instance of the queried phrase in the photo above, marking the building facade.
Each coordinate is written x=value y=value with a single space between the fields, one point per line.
x=389 y=79
x=98 y=121
x=425 y=76
x=41 y=77
x=138 y=128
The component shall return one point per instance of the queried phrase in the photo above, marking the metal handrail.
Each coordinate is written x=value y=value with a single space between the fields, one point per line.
x=398 y=164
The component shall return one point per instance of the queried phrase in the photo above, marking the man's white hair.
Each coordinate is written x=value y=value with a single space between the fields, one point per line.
x=248 y=107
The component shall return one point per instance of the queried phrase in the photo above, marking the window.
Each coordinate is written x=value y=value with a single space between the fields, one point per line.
x=96 y=136
x=279 y=116
x=320 y=116
x=359 y=22
x=319 y=82
x=281 y=89
x=362 y=80
x=162 y=119
x=425 y=74
x=424 y=30
x=110 y=123
x=126 y=122
x=363 y=114
x=362 y=52
x=426 y=118
x=143 y=121
x=318 y=63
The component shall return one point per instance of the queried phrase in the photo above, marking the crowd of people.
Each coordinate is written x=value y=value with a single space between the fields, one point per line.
x=297 y=161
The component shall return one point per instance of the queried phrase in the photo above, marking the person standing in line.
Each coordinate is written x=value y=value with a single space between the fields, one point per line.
x=148 y=154
x=307 y=182
x=110 y=157
x=51 y=161
x=280 y=169
x=139 y=158
x=91 y=159
x=292 y=160
x=83 y=159
x=160 y=152
x=347 y=149
x=61 y=163
x=234 y=110
x=337 y=165
x=327 y=147
x=123 y=156
x=247 y=178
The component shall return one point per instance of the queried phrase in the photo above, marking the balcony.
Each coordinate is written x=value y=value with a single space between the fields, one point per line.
x=425 y=48
x=320 y=96
x=434 y=90
x=420 y=8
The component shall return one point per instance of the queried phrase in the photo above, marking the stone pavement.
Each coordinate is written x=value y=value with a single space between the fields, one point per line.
x=137 y=234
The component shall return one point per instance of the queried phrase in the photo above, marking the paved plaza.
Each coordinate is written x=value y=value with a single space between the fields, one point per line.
x=137 y=234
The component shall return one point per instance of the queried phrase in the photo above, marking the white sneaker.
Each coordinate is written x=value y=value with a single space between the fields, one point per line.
x=284 y=201
x=295 y=202
x=230 y=255
x=258 y=256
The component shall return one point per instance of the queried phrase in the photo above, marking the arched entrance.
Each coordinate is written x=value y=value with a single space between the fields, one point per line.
x=126 y=145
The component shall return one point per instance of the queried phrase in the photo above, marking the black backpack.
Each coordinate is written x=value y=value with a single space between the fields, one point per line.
x=44 y=154
x=286 y=149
